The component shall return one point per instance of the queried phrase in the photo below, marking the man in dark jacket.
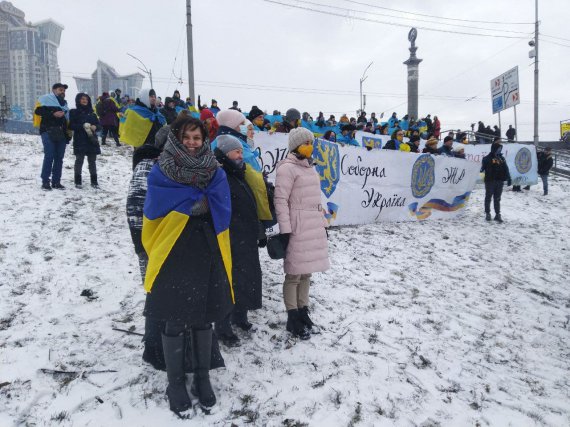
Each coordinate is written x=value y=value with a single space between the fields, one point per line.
x=169 y=110
x=496 y=173
x=53 y=111
x=178 y=102
x=545 y=163
x=511 y=133
x=447 y=148
x=291 y=121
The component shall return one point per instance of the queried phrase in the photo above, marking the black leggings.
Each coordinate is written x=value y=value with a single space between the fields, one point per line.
x=173 y=329
x=110 y=130
x=80 y=158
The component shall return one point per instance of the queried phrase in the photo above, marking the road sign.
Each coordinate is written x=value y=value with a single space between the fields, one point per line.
x=505 y=90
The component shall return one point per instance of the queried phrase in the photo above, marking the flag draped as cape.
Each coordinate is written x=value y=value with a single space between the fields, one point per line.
x=167 y=211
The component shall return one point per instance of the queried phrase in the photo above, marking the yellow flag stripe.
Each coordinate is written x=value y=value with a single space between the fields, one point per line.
x=226 y=251
x=255 y=181
x=159 y=236
x=134 y=129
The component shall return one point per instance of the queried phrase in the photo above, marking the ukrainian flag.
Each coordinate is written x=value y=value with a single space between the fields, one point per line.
x=167 y=211
x=136 y=124
x=257 y=185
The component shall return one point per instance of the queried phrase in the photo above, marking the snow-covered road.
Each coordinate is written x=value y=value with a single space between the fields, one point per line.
x=435 y=323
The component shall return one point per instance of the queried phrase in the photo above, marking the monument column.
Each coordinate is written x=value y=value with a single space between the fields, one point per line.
x=413 y=75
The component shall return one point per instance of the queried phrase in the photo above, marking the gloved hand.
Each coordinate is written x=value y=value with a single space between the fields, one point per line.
x=261 y=243
x=509 y=183
x=285 y=239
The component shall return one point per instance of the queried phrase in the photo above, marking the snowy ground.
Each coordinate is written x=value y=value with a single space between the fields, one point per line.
x=457 y=323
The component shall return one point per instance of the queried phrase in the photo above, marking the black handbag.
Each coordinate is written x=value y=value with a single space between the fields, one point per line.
x=275 y=247
x=56 y=134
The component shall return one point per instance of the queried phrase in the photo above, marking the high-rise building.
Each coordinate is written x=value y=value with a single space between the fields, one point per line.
x=106 y=79
x=28 y=58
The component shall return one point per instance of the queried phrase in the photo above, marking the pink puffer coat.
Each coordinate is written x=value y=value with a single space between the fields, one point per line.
x=298 y=209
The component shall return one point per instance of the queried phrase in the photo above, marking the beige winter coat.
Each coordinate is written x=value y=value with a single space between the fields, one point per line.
x=299 y=212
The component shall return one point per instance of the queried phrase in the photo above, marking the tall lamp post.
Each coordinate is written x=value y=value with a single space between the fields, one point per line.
x=144 y=70
x=190 y=48
x=364 y=77
x=534 y=43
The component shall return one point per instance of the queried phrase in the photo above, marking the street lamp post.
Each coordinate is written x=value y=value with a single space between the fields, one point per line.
x=144 y=70
x=364 y=77
x=536 y=73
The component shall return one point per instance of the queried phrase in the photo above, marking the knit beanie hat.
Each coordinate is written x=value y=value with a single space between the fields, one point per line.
x=432 y=141
x=206 y=114
x=230 y=118
x=292 y=114
x=298 y=137
x=255 y=112
x=227 y=143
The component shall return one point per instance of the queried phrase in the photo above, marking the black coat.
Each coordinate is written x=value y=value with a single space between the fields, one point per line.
x=244 y=234
x=495 y=166
x=169 y=114
x=48 y=120
x=390 y=145
x=82 y=143
x=545 y=163
x=192 y=286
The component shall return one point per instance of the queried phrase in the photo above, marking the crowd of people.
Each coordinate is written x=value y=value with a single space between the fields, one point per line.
x=198 y=207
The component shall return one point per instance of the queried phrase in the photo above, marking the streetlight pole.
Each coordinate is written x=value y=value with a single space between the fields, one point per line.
x=362 y=81
x=144 y=70
x=536 y=73
x=190 y=50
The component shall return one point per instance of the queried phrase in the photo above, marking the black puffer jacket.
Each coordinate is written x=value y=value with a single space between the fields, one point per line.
x=245 y=231
x=82 y=143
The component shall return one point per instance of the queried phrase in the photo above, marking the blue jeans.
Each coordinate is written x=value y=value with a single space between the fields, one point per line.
x=53 y=159
x=544 y=183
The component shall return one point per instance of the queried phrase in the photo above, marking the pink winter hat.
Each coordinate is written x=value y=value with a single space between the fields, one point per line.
x=230 y=118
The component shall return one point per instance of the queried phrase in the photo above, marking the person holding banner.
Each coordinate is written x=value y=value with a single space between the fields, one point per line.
x=496 y=173
x=303 y=229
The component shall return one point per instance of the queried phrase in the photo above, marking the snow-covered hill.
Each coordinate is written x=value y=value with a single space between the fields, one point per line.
x=425 y=324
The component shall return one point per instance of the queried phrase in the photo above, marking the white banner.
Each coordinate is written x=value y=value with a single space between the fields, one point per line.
x=360 y=186
x=521 y=159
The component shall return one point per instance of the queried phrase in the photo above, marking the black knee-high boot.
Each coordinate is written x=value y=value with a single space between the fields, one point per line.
x=201 y=361
x=178 y=397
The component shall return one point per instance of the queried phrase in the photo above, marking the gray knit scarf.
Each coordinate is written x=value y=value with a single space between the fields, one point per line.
x=193 y=169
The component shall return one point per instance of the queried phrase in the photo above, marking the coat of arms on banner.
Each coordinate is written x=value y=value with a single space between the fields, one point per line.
x=423 y=176
x=371 y=143
x=327 y=161
x=523 y=160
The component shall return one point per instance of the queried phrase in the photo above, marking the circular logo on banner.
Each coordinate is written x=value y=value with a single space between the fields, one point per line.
x=523 y=160
x=423 y=175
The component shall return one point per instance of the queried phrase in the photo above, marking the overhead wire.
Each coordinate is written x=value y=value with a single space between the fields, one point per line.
x=412 y=19
x=438 y=17
x=389 y=23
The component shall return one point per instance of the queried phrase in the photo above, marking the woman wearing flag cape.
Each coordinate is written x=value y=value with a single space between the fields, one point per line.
x=189 y=275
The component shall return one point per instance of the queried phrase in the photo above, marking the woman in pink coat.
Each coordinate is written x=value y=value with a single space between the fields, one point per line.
x=302 y=227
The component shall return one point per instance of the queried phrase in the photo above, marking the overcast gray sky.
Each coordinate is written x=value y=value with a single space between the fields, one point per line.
x=259 y=52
